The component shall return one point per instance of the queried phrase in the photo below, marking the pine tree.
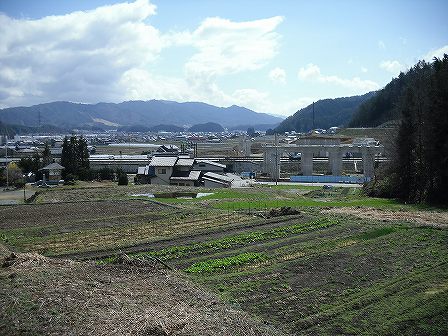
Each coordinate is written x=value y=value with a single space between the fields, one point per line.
x=422 y=143
x=75 y=158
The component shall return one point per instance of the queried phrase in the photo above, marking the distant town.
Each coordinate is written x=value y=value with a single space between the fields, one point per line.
x=215 y=159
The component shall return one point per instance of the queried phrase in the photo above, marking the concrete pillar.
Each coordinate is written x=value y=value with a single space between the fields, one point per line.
x=335 y=160
x=266 y=163
x=307 y=162
x=368 y=160
x=271 y=162
x=276 y=164
x=246 y=146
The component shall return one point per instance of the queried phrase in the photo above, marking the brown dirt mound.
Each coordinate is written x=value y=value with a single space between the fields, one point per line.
x=426 y=218
x=45 y=296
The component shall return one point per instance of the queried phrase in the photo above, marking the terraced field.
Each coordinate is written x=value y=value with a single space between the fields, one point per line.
x=344 y=264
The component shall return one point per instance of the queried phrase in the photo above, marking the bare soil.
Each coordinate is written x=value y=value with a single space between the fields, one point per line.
x=425 y=218
x=28 y=215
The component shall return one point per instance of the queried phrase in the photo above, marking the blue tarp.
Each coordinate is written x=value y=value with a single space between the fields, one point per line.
x=329 y=179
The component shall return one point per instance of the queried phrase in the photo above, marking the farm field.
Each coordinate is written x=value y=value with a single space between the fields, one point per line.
x=336 y=262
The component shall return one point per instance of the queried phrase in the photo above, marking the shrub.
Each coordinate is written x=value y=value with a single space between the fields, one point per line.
x=122 y=178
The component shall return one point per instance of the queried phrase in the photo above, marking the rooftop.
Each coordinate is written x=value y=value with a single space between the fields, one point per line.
x=163 y=161
x=185 y=162
x=219 y=177
x=192 y=176
x=53 y=166
x=213 y=163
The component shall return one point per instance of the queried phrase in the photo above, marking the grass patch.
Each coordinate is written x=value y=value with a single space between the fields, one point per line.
x=289 y=186
x=377 y=233
x=306 y=202
x=213 y=265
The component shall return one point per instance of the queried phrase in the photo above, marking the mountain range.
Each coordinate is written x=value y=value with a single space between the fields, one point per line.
x=143 y=113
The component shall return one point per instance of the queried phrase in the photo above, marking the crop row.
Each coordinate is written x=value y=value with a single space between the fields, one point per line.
x=213 y=265
x=242 y=239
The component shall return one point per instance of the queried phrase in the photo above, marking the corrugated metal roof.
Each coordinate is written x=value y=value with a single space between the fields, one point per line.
x=163 y=161
x=213 y=163
x=218 y=177
x=215 y=181
x=185 y=162
x=193 y=176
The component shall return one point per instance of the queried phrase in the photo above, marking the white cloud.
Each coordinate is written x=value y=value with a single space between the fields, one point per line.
x=381 y=44
x=222 y=48
x=80 y=56
x=311 y=71
x=356 y=85
x=111 y=53
x=394 y=67
x=436 y=53
x=277 y=75
x=364 y=70
x=227 y=47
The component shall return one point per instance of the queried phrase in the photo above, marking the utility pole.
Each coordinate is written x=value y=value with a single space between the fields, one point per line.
x=276 y=159
x=6 y=161
x=314 y=126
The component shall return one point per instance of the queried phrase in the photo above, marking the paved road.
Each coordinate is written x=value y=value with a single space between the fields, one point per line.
x=14 y=196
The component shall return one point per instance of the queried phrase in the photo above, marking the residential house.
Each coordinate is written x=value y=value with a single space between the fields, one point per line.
x=181 y=171
x=163 y=168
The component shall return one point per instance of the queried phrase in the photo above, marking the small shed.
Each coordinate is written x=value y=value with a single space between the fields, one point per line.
x=213 y=180
x=52 y=172
x=186 y=178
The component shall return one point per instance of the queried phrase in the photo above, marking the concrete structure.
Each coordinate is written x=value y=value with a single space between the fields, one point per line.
x=246 y=145
x=335 y=153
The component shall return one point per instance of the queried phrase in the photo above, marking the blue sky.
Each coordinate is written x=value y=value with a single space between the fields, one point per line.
x=270 y=56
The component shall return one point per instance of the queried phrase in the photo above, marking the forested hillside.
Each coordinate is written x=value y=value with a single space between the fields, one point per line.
x=418 y=171
x=11 y=130
x=327 y=113
x=383 y=106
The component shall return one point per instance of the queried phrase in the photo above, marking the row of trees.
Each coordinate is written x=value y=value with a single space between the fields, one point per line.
x=75 y=158
x=418 y=172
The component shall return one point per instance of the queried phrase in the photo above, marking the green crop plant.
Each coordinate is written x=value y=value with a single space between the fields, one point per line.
x=242 y=239
x=214 y=265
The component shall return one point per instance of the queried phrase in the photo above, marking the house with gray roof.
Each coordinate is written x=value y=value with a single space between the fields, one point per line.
x=178 y=170
x=163 y=168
